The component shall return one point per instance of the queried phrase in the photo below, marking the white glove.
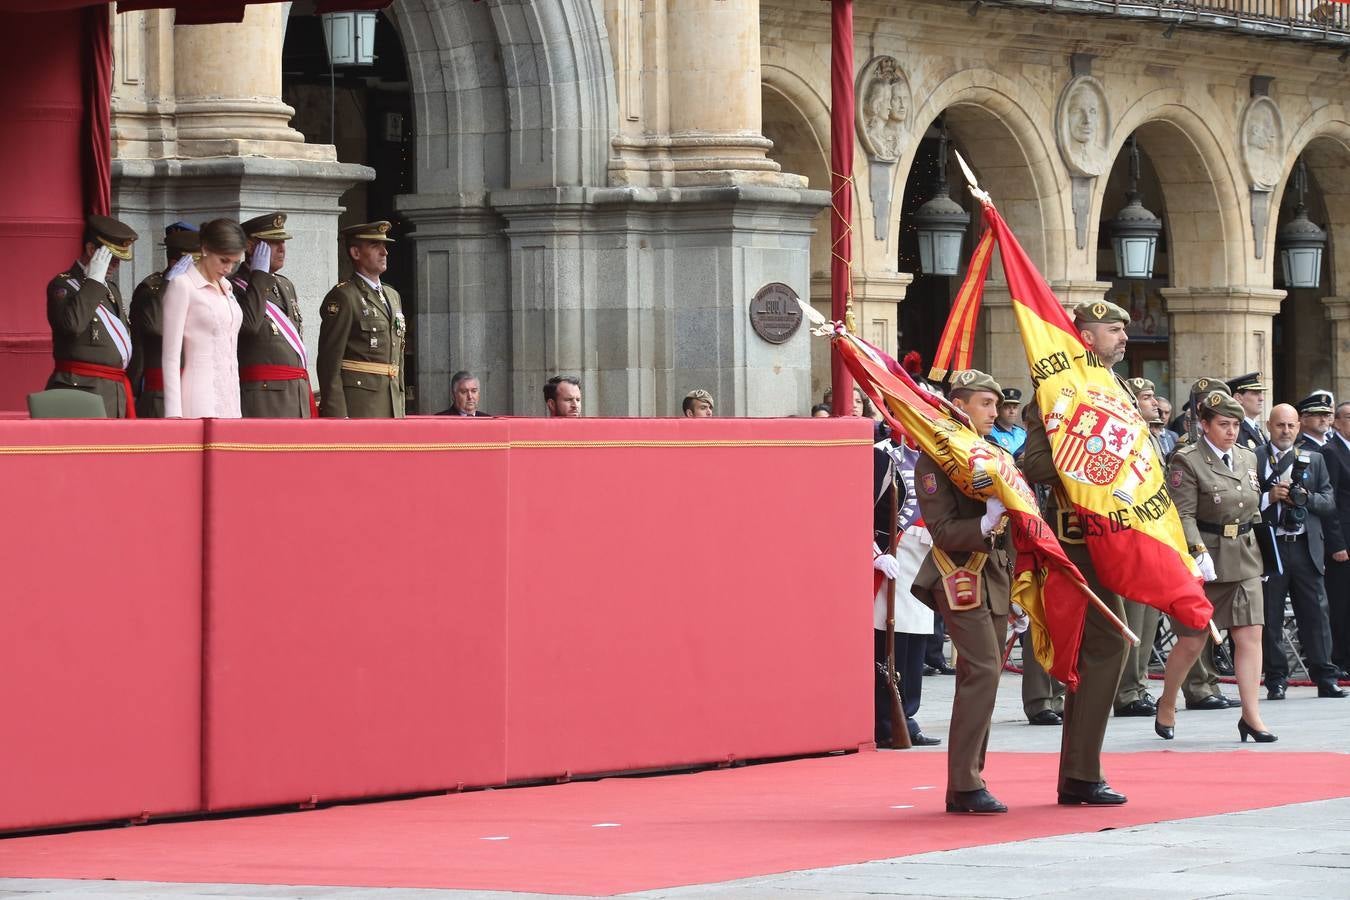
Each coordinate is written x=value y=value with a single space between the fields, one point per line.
x=887 y=565
x=261 y=258
x=98 y=265
x=993 y=512
x=1205 y=563
x=184 y=263
x=1020 y=620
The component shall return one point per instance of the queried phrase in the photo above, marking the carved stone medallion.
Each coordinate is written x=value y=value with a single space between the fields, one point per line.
x=1082 y=125
x=1261 y=140
x=883 y=109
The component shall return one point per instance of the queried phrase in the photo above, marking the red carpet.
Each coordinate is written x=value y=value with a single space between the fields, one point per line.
x=629 y=834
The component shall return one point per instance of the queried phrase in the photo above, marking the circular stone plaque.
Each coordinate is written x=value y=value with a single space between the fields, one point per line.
x=774 y=313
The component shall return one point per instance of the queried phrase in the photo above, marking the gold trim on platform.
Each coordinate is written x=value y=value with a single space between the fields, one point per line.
x=242 y=447
x=74 y=449
x=252 y=447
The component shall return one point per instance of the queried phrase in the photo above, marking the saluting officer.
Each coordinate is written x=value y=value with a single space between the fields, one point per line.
x=1214 y=485
x=273 y=364
x=91 y=339
x=147 y=322
x=1101 y=658
x=1250 y=394
x=967 y=576
x=362 y=334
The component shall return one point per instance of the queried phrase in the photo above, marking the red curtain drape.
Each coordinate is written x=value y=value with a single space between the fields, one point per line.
x=841 y=191
x=97 y=76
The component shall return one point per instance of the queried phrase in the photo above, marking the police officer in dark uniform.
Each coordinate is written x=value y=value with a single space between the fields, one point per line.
x=362 y=335
x=147 y=322
x=91 y=337
x=1250 y=394
x=273 y=362
x=1314 y=419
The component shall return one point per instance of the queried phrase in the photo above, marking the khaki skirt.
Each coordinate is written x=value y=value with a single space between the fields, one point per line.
x=1235 y=603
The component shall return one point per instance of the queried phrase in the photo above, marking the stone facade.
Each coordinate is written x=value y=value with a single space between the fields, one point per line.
x=602 y=185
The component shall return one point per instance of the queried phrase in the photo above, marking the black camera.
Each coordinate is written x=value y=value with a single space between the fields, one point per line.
x=1295 y=511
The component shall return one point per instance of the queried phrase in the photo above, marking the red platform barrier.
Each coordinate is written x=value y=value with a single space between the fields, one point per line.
x=356 y=608
x=686 y=591
x=100 y=647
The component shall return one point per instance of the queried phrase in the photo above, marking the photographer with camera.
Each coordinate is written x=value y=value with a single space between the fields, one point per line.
x=1296 y=495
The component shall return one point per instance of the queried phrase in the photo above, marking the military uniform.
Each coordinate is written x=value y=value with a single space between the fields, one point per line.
x=1132 y=696
x=1010 y=439
x=977 y=633
x=1250 y=434
x=273 y=363
x=91 y=337
x=147 y=326
x=361 y=344
x=1218 y=505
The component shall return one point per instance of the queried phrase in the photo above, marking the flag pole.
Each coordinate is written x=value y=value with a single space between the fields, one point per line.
x=841 y=195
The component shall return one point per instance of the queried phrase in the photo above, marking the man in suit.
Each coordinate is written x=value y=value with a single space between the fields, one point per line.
x=967 y=576
x=1101 y=658
x=147 y=322
x=1337 y=456
x=363 y=334
x=463 y=396
x=91 y=338
x=273 y=362
x=1294 y=511
x=1250 y=394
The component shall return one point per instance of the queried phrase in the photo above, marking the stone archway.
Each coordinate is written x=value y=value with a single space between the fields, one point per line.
x=509 y=99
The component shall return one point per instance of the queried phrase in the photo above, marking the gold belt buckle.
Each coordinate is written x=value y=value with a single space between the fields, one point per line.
x=1230 y=531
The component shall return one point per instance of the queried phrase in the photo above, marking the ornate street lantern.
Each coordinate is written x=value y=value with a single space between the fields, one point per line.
x=941 y=223
x=350 y=37
x=1300 y=241
x=1134 y=231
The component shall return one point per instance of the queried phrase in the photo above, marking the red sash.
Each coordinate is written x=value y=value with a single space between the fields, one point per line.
x=154 y=380
x=252 y=374
x=108 y=373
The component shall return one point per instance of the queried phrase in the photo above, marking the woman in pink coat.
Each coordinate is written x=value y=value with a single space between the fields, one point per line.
x=201 y=330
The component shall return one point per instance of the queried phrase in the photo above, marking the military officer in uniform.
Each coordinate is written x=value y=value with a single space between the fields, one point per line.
x=362 y=334
x=147 y=322
x=1101 y=659
x=967 y=577
x=1132 y=697
x=1250 y=394
x=273 y=363
x=91 y=338
x=1214 y=485
x=1314 y=420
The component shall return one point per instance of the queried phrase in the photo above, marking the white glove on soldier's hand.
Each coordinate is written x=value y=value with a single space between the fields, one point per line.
x=887 y=565
x=184 y=263
x=1020 y=620
x=98 y=265
x=261 y=258
x=993 y=512
x=1205 y=563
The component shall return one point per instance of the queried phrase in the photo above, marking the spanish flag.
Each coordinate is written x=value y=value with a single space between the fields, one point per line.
x=1107 y=467
x=1046 y=584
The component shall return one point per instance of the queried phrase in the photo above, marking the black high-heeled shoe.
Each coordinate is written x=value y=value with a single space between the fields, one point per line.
x=1166 y=732
x=1261 y=737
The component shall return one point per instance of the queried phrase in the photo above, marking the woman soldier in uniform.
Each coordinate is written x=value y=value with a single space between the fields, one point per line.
x=1213 y=483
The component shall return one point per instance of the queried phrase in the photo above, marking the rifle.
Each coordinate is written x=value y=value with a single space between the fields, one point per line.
x=900 y=739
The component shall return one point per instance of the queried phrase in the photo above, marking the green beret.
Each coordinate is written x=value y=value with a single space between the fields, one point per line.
x=1205 y=385
x=1221 y=403
x=975 y=380
x=1140 y=385
x=1102 y=312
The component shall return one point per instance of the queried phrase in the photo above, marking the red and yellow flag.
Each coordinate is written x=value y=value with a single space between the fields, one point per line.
x=1107 y=467
x=1046 y=584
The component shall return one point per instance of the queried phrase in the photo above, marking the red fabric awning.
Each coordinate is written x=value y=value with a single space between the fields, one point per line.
x=190 y=12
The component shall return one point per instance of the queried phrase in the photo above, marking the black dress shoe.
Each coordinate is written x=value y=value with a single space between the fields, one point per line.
x=929 y=670
x=945 y=669
x=979 y=802
x=1261 y=737
x=1136 y=708
x=1046 y=717
x=1275 y=690
x=1329 y=689
x=1092 y=793
x=1166 y=732
x=919 y=739
x=1233 y=702
x=1213 y=701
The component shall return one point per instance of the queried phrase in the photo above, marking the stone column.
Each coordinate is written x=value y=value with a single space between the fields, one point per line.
x=228 y=84
x=713 y=78
x=1337 y=311
x=1219 y=332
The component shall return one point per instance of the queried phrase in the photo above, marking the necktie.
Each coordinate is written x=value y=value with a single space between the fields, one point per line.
x=1227 y=463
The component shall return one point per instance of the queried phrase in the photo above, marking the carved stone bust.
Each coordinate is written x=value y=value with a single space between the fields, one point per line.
x=884 y=107
x=1261 y=140
x=1082 y=126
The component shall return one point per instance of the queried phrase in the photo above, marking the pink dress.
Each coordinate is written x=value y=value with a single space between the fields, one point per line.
x=201 y=334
